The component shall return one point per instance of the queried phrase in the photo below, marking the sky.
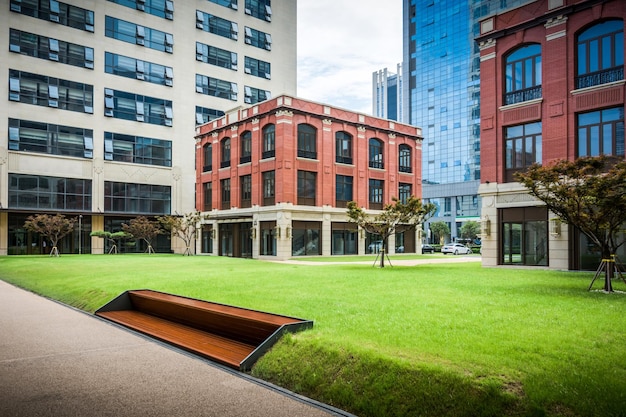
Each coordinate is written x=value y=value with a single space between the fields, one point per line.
x=341 y=43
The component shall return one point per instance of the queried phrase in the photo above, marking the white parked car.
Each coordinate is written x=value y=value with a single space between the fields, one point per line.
x=455 y=249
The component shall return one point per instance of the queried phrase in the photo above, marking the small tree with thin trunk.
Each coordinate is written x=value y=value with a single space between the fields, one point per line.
x=185 y=227
x=440 y=230
x=394 y=217
x=588 y=193
x=470 y=230
x=112 y=238
x=53 y=228
x=141 y=228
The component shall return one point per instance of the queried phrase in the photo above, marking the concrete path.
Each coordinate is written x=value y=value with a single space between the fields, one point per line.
x=57 y=361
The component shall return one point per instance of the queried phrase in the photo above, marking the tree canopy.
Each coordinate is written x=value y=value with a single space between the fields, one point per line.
x=112 y=237
x=470 y=230
x=394 y=216
x=143 y=229
x=589 y=194
x=440 y=230
x=53 y=228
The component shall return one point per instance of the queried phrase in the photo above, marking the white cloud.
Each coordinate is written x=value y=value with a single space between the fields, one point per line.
x=341 y=43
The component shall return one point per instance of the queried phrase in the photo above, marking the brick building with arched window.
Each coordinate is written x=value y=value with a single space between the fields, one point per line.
x=552 y=87
x=274 y=179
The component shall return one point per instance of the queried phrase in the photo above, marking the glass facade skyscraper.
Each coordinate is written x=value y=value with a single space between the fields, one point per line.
x=441 y=65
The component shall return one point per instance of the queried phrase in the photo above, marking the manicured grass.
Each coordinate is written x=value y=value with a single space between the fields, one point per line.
x=427 y=340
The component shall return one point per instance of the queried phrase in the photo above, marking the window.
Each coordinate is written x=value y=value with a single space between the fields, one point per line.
x=215 y=87
x=258 y=68
x=49 y=193
x=343 y=148
x=245 y=182
x=30 y=136
x=225 y=193
x=217 y=25
x=137 y=69
x=345 y=239
x=137 y=149
x=307 y=141
x=205 y=115
x=129 y=106
x=404 y=159
x=404 y=192
x=216 y=56
x=307 y=181
x=159 y=8
x=600 y=55
x=255 y=95
x=207 y=192
x=226 y=3
x=376 y=188
x=207 y=157
x=522 y=148
x=259 y=39
x=523 y=74
x=39 y=47
x=246 y=147
x=40 y=90
x=225 y=153
x=122 y=197
x=269 y=141
x=268 y=188
x=261 y=9
x=306 y=238
x=376 y=159
x=601 y=132
x=57 y=12
x=139 y=35
x=343 y=190
x=524 y=236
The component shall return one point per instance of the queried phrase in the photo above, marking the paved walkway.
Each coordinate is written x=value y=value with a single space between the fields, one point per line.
x=57 y=361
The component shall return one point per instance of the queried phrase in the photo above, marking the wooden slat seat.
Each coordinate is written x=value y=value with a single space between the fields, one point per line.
x=232 y=336
x=223 y=350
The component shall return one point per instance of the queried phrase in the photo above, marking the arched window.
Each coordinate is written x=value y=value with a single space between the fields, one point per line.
x=269 y=141
x=246 y=147
x=307 y=138
x=404 y=155
x=207 y=155
x=343 y=148
x=225 y=153
x=376 y=154
x=600 y=54
x=523 y=74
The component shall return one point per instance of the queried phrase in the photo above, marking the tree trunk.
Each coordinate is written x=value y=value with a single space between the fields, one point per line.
x=608 y=276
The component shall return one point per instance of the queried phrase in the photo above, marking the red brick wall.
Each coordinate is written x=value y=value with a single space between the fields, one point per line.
x=286 y=164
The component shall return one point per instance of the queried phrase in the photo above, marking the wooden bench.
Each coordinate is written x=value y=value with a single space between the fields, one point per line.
x=232 y=336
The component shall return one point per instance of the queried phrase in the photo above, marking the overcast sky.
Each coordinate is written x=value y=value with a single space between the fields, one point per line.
x=341 y=43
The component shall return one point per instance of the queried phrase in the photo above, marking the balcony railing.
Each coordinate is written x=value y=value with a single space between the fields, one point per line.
x=600 y=77
x=519 y=96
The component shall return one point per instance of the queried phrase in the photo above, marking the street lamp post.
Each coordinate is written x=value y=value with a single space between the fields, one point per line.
x=80 y=233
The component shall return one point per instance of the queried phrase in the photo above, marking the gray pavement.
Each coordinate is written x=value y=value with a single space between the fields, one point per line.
x=58 y=361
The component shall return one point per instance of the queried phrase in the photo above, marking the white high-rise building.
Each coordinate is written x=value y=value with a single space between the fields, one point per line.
x=102 y=99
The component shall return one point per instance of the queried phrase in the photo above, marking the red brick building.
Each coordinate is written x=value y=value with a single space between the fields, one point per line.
x=275 y=179
x=552 y=87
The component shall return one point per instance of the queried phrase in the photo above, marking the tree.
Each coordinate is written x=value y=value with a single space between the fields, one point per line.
x=470 y=230
x=143 y=229
x=393 y=217
x=440 y=230
x=113 y=238
x=185 y=227
x=589 y=194
x=53 y=228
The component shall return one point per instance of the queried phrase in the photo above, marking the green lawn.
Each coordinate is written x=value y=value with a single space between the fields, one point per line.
x=426 y=340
